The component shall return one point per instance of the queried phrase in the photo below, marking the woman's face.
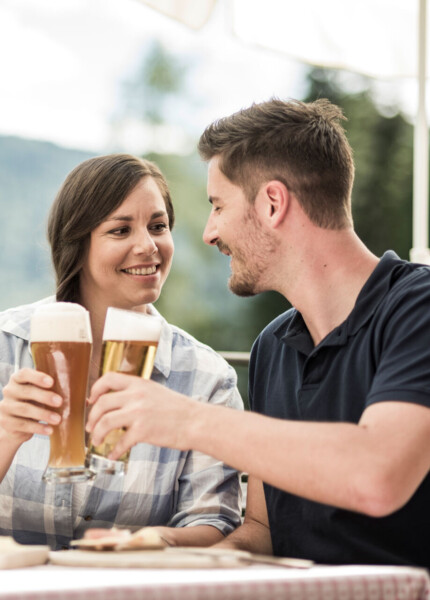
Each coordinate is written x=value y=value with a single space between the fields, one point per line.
x=130 y=253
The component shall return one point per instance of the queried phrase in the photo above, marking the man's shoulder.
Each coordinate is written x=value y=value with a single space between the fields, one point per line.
x=412 y=285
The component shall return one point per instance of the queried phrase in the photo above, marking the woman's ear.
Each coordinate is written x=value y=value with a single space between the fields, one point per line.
x=273 y=202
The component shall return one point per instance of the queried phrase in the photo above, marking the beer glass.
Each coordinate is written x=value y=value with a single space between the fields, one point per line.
x=61 y=342
x=130 y=341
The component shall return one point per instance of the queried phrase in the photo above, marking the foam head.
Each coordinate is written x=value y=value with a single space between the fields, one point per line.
x=126 y=325
x=60 y=322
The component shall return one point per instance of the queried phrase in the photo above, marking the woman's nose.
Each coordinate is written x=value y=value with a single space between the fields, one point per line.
x=210 y=233
x=144 y=244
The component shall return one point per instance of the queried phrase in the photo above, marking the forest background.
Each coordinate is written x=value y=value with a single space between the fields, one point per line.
x=196 y=296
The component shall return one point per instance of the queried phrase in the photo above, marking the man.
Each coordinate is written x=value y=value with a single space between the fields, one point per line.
x=342 y=381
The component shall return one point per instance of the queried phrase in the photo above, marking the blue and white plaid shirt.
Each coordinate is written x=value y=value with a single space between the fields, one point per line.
x=162 y=486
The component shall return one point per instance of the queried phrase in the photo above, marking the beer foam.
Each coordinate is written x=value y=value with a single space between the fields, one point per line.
x=121 y=325
x=60 y=322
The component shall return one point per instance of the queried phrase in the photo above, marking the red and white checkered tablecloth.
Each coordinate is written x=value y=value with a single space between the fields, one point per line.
x=254 y=583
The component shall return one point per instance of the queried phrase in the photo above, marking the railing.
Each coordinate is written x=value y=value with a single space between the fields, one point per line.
x=236 y=359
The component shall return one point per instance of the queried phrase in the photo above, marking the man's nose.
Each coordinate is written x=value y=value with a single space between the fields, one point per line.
x=210 y=234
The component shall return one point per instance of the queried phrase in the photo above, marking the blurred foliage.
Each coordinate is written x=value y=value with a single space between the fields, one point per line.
x=383 y=153
x=160 y=76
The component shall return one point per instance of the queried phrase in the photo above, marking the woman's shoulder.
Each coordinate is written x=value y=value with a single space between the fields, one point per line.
x=182 y=341
x=16 y=320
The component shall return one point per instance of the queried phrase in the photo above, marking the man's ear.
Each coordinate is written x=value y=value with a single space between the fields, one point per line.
x=273 y=202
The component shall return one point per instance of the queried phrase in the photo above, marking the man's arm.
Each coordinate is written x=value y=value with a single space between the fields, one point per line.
x=373 y=467
x=254 y=534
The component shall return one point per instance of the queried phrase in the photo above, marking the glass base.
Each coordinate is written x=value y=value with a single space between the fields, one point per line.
x=100 y=464
x=67 y=474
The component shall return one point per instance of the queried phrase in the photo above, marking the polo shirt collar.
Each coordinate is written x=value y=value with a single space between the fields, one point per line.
x=297 y=336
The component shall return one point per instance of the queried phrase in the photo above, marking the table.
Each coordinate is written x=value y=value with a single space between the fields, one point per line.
x=50 y=582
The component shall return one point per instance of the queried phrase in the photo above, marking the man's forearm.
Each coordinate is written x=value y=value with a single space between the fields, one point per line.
x=366 y=467
x=250 y=536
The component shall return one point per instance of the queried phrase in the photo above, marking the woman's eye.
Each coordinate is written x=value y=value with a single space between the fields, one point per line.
x=159 y=227
x=119 y=231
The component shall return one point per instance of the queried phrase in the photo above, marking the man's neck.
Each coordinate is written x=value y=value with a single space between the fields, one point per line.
x=327 y=279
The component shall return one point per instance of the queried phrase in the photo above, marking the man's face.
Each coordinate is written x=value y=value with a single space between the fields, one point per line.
x=233 y=226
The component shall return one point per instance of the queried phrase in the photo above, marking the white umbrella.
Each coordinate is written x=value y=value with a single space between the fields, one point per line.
x=380 y=38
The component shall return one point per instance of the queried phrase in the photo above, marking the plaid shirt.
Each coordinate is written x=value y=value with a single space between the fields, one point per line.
x=162 y=486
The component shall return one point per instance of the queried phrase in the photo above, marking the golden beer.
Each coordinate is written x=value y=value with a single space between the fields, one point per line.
x=61 y=347
x=130 y=342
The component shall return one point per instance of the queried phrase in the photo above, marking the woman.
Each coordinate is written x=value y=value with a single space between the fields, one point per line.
x=110 y=235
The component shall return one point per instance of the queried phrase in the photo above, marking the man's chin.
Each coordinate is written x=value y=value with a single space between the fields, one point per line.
x=243 y=289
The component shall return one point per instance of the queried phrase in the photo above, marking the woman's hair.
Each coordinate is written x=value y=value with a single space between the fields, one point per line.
x=301 y=144
x=89 y=194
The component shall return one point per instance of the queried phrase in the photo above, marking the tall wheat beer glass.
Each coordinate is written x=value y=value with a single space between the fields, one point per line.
x=130 y=341
x=61 y=342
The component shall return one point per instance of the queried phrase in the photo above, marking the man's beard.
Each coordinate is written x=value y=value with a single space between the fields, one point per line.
x=243 y=284
x=246 y=281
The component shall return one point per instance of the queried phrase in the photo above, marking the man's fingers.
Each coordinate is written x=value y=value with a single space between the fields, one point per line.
x=125 y=443
x=107 y=403
x=111 y=381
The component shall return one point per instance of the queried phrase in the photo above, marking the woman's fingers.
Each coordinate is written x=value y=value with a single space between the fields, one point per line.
x=30 y=385
x=27 y=405
x=28 y=428
x=38 y=378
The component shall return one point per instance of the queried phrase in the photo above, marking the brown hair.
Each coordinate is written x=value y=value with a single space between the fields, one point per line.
x=300 y=144
x=89 y=194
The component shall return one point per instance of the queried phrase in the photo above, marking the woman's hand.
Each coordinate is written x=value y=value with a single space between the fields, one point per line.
x=27 y=400
x=148 y=411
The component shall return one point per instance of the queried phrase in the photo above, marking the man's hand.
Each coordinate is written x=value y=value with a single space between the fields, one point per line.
x=148 y=411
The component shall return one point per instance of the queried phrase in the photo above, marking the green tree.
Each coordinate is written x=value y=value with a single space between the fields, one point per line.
x=383 y=152
x=159 y=77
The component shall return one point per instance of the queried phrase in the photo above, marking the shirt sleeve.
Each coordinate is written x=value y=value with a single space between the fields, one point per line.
x=209 y=491
x=402 y=348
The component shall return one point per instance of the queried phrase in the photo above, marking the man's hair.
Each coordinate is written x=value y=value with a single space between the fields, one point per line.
x=303 y=145
x=89 y=194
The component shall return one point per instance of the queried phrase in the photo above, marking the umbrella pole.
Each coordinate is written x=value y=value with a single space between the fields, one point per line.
x=420 y=251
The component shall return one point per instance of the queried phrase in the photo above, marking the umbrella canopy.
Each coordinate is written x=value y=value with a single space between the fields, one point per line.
x=378 y=38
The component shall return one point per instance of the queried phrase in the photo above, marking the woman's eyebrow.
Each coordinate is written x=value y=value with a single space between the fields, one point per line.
x=120 y=218
x=129 y=218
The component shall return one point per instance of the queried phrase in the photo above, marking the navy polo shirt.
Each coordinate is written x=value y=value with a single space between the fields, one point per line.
x=380 y=352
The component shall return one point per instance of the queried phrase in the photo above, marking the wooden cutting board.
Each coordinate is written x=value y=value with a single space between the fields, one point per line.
x=172 y=558
x=15 y=556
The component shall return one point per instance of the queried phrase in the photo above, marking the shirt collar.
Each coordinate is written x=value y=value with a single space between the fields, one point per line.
x=296 y=334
